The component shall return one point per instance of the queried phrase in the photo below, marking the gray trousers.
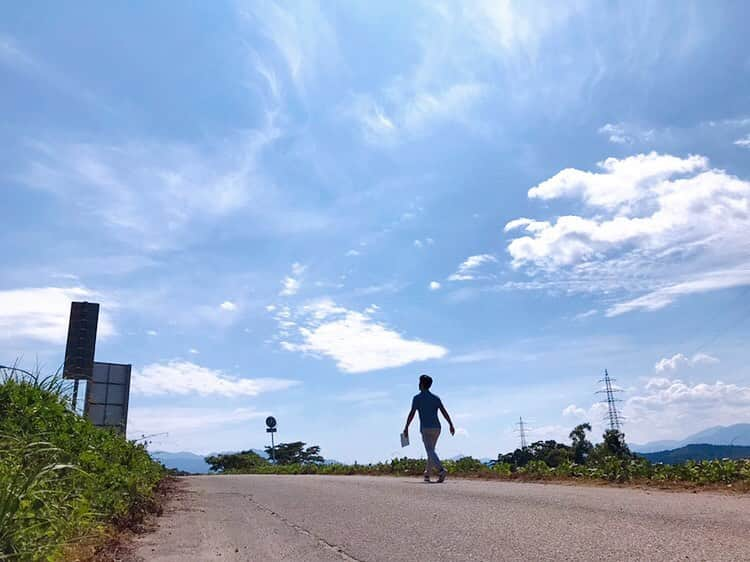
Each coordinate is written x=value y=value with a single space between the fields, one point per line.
x=429 y=437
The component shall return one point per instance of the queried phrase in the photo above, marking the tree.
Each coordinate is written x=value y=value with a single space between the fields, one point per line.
x=296 y=453
x=581 y=446
x=550 y=451
x=613 y=446
x=236 y=462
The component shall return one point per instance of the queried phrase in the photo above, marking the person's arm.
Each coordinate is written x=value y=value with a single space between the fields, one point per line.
x=410 y=417
x=448 y=418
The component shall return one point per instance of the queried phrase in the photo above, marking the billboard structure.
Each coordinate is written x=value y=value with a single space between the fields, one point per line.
x=107 y=396
x=79 y=351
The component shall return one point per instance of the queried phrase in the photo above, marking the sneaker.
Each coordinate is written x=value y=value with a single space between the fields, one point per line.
x=443 y=474
x=427 y=478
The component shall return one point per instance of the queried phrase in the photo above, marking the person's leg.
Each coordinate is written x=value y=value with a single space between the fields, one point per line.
x=430 y=436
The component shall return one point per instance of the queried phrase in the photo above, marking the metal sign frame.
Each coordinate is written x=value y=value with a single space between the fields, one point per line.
x=108 y=395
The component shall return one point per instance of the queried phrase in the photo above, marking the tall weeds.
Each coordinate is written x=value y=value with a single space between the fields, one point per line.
x=61 y=478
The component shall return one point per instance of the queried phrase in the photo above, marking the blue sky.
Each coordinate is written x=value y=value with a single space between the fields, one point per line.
x=297 y=208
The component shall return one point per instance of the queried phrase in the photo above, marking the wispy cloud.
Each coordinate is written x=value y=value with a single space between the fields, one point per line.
x=467 y=270
x=184 y=377
x=302 y=36
x=355 y=340
x=156 y=195
x=411 y=114
x=291 y=284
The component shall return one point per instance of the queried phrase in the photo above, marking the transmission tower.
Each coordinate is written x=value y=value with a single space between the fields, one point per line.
x=522 y=430
x=613 y=417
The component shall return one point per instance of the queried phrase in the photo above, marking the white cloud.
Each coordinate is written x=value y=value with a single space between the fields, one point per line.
x=418 y=244
x=587 y=314
x=270 y=307
x=42 y=313
x=676 y=218
x=352 y=253
x=155 y=195
x=616 y=133
x=354 y=340
x=193 y=351
x=413 y=110
x=291 y=284
x=289 y=287
x=184 y=377
x=434 y=285
x=152 y=333
x=303 y=37
x=743 y=142
x=574 y=411
x=672 y=408
x=467 y=270
x=148 y=420
x=660 y=298
x=679 y=360
x=626 y=133
x=229 y=306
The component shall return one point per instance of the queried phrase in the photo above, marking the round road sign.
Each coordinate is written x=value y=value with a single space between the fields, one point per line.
x=271 y=421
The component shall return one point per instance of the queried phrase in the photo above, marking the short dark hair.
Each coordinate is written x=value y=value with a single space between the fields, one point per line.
x=425 y=381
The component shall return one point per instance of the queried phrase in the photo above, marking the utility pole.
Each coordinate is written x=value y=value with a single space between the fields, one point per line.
x=613 y=417
x=522 y=430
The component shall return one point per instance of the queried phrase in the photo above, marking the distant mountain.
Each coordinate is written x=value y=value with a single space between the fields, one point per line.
x=187 y=462
x=190 y=462
x=737 y=434
x=699 y=452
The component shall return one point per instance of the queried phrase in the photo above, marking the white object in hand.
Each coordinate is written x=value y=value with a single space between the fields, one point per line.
x=404 y=440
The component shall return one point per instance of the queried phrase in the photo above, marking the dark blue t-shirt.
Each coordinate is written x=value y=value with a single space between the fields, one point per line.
x=427 y=404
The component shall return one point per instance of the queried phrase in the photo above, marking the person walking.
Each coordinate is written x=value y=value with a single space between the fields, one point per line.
x=427 y=404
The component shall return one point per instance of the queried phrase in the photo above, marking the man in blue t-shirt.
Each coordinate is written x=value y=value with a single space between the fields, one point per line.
x=428 y=405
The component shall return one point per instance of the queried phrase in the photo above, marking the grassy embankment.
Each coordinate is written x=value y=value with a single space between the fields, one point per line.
x=63 y=482
x=718 y=473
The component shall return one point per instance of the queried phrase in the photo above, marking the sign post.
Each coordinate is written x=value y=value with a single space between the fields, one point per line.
x=108 y=395
x=271 y=428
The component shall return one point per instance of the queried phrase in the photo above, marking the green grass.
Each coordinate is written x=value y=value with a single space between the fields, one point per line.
x=610 y=469
x=62 y=480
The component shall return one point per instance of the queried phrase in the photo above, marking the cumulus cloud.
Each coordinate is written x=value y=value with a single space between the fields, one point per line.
x=42 y=313
x=434 y=285
x=355 y=340
x=574 y=411
x=184 y=377
x=743 y=142
x=228 y=306
x=467 y=271
x=679 y=360
x=678 y=219
x=673 y=408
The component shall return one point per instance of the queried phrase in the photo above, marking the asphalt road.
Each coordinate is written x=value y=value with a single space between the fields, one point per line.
x=329 y=518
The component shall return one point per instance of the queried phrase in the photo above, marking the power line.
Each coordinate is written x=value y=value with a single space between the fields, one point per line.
x=613 y=417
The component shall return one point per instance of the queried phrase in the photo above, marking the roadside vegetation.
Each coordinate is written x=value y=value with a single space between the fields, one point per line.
x=63 y=482
x=608 y=461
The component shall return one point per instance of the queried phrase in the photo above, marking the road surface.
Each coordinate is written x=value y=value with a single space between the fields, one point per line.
x=358 y=518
